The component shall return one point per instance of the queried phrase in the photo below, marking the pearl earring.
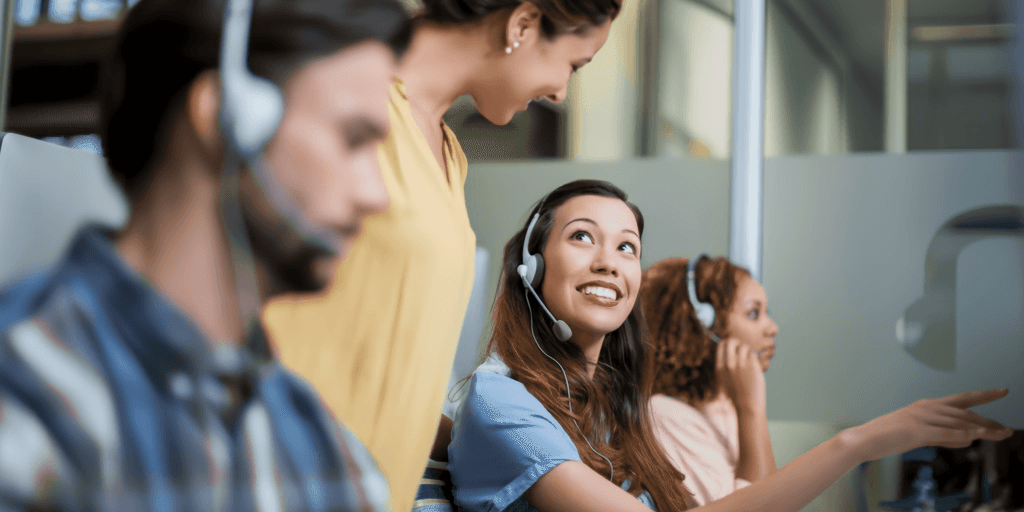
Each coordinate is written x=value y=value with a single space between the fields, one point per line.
x=515 y=44
x=508 y=49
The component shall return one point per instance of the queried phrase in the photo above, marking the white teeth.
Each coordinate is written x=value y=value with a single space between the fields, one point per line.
x=600 y=292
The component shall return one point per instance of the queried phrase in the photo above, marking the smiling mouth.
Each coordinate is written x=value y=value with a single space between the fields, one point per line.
x=602 y=293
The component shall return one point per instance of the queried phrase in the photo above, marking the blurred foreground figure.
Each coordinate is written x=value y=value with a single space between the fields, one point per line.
x=134 y=375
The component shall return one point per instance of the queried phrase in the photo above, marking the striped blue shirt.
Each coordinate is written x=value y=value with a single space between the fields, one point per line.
x=111 y=399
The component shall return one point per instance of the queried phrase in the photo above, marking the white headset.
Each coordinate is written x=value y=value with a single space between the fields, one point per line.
x=531 y=271
x=705 y=312
x=250 y=111
x=251 y=107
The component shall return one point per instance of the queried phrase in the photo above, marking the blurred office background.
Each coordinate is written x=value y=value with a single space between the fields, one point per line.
x=885 y=122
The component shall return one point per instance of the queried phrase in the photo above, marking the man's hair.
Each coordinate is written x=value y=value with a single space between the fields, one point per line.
x=163 y=45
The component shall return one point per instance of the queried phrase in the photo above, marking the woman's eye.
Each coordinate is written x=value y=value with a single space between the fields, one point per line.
x=754 y=314
x=630 y=248
x=582 y=236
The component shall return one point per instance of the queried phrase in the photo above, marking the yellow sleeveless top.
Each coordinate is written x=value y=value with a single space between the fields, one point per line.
x=379 y=345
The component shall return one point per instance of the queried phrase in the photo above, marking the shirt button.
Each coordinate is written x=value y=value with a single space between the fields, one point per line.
x=181 y=386
x=228 y=360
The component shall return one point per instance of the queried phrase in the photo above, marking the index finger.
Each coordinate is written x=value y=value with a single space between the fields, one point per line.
x=974 y=398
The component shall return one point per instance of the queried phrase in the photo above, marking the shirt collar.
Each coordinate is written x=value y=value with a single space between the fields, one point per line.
x=162 y=337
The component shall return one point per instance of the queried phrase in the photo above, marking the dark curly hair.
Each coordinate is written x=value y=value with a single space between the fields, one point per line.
x=684 y=356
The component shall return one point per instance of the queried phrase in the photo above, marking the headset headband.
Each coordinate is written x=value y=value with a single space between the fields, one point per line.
x=705 y=312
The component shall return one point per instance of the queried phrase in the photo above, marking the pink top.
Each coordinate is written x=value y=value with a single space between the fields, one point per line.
x=702 y=443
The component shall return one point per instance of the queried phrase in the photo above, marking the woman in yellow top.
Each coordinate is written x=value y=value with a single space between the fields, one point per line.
x=379 y=348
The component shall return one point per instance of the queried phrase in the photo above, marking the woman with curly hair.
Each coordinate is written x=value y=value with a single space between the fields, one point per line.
x=709 y=407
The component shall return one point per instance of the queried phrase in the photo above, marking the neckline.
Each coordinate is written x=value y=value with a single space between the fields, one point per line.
x=160 y=334
x=447 y=149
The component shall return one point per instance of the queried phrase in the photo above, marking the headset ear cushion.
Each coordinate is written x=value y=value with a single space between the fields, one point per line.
x=259 y=111
x=706 y=314
x=538 y=273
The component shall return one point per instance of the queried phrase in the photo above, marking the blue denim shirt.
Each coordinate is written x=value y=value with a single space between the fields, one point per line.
x=111 y=399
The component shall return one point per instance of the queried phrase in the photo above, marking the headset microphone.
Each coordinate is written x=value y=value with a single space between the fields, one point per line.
x=532 y=272
x=562 y=330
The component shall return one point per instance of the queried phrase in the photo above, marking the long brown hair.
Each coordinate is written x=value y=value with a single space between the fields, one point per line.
x=684 y=355
x=611 y=409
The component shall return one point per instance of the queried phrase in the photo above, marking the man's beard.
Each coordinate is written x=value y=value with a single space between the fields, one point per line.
x=286 y=260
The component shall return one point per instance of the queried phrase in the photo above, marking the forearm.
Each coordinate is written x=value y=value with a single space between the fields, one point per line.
x=793 y=486
x=575 y=487
x=756 y=458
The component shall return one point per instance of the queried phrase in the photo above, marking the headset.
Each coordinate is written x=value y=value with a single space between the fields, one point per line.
x=250 y=112
x=251 y=107
x=705 y=312
x=531 y=271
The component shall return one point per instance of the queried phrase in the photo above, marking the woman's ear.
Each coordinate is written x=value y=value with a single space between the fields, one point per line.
x=202 y=109
x=523 y=25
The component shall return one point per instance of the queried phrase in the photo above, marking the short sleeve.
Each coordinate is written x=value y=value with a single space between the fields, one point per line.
x=700 y=451
x=453 y=400
x=503 y=441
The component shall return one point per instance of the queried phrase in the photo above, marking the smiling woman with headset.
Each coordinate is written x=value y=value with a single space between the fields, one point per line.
x=557 y=419
x=709 y=406
x=574 y=360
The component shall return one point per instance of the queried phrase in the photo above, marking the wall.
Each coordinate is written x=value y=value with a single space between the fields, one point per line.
x=811 y=105
x=602 y=96
x=805 y=111
x=695 y=78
